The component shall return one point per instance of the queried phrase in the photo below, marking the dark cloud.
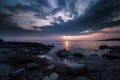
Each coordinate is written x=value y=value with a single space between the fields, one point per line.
x=96 y=15
x=101 y=14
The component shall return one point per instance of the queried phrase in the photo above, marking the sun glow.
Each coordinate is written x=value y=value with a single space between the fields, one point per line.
x=93 y=36
x=67 y=37
x=67 y=45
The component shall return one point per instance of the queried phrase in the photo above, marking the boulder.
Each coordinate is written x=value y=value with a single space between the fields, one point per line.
x=32 y=66
x=46 y=78
x=53 y=76
x=112 y=55
x=76 y=69
x=94 y=54
x=27 y=58
x=78 y=55
x=82 y=78
x=103 y=47
x=5 y=69
x=94 y=66
x=49 y=69
x=63 y=53
x=16 y=74
x=68 y=67
x=115 y=48
x=58 y=64
x=1 y=41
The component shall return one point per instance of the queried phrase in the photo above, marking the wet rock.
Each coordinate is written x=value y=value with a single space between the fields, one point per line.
x=43 y=52
x=46 y=78
x=78 y=55
x=94 y=66
x=82 y=78
x=94 y=54
x=103 y=47
x=16 y=74
x=5 y=69
x=96 y=50
x=32 y=75
x=27 y=58
x=32 y=66
x=49 y=69
x=63 y=53
x=1 y=41
x=6 y=54
x=112 y=55
x=115 y=48
x=53 y=76
x=77 y=69
x=58 y=64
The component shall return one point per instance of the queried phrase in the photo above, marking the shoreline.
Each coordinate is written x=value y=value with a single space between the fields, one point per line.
x=19 y=61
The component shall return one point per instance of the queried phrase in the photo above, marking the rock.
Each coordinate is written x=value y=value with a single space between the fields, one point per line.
x=50 y=69
x=94 y=66
x=76 y=69
x=94 y=54
x=115 y=48
x=5 y=69
x=46 y=78
x=112 y=55
x=82 y=78
x=32 y=66
x=1 y=41
x=58 y=64
x=42 y=52
x=103 y=47
x=78 y=55
x=96 y=50
x=27 y=58
x=72 y=68
x=63 y=53
x=53 y=76
x=16 y=74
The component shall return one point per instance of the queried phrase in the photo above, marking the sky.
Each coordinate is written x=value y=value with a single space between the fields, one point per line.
x=59 y=19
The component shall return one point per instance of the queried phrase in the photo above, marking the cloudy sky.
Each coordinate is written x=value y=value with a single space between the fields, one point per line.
x=59 y=19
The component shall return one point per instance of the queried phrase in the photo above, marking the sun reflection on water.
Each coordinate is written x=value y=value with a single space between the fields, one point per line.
x=67 y=45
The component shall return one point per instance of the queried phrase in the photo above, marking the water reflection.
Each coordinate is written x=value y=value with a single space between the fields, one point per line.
x=67 y=45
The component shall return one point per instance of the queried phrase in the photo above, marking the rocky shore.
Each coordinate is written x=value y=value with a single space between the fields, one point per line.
x=32 y=61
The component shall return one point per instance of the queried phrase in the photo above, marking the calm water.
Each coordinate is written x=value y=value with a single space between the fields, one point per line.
x=80 y=44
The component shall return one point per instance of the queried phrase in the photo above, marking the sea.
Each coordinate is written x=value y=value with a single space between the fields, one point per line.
x=81 y=44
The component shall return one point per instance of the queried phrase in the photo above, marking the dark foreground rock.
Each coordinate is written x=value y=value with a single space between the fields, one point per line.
x=1 y=41
x=103 y=47
x=63 y=53
x=112 y=55
x=52 y=76
x=16 y=74
x=32 y=66
x=27 y=58
x=78 y=55
x=5 y=69
x=115 y=48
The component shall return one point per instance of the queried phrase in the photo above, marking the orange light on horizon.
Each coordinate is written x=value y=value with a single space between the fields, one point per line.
x=93 y=36
x=67 y=45
x=67 y=37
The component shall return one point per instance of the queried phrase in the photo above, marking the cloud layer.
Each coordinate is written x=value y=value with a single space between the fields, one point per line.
x=58 y=17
